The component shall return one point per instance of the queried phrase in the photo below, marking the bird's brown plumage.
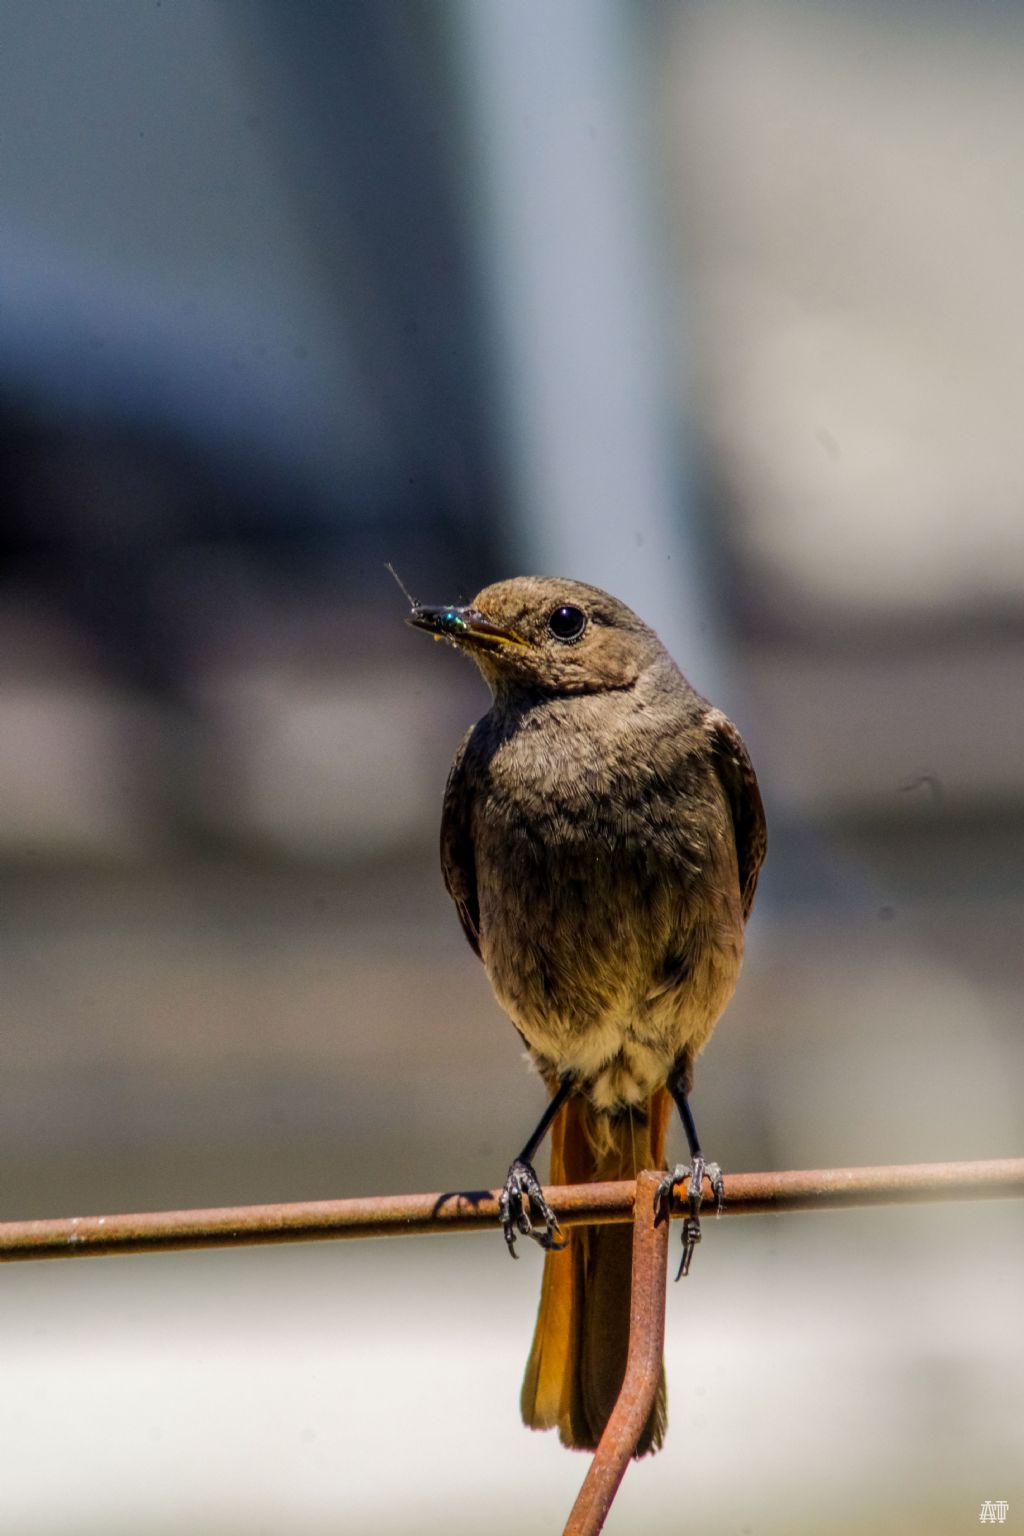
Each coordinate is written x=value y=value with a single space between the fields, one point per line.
x=601 y=839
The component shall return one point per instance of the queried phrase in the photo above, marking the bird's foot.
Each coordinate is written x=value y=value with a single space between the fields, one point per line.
x=694 y=1174
x=524 y=1210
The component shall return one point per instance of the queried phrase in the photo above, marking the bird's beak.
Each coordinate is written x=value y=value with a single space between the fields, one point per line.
x=464 y=626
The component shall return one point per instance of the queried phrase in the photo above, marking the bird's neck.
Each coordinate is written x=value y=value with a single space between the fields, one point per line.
x=621 y=719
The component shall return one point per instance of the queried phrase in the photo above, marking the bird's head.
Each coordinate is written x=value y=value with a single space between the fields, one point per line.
x=546 y=635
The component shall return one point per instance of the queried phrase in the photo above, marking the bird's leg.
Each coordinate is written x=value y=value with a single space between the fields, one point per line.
x=522 y=1201
x=678 y=1086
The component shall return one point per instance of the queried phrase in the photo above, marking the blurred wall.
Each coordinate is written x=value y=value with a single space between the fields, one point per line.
x=716 y=305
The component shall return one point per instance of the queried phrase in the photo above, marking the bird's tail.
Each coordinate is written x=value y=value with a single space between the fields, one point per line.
x=578 y=1357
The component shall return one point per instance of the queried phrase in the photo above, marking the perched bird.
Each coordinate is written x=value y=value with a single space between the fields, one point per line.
x=601 y=838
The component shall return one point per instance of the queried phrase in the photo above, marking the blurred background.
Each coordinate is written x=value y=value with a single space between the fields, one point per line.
x=716 y=306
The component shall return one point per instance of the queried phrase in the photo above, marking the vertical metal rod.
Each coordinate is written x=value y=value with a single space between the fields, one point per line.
x=643 y=1365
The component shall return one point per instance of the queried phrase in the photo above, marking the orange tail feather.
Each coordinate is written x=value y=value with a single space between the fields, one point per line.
x=581 y=1339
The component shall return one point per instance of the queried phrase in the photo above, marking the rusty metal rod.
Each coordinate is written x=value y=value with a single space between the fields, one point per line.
x=577 y=1205
x=643 y=1367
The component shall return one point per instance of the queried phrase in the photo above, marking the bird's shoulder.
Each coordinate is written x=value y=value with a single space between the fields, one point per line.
x=735 y=771
x=458 y=863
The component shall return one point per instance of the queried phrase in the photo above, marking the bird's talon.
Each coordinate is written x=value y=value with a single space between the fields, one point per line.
x=521 y=1199
x=691 y=1237
x=552 y=1239
x=694 y=1177
x=664 y=1195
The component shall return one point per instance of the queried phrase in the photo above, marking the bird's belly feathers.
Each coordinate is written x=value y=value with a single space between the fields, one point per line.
x=611 y=946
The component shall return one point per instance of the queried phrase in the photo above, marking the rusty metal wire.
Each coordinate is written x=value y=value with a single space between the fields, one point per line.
x=406 y=1215
x=643 y=1366
x=69 y=1237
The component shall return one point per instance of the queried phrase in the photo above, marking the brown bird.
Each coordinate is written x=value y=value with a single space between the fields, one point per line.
x=601 y=838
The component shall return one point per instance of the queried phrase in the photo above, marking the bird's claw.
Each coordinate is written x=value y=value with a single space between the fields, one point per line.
x=694 y=1174
x=524 y=1211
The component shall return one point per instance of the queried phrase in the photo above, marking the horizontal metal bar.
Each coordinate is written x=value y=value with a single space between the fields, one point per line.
x=69 y=1237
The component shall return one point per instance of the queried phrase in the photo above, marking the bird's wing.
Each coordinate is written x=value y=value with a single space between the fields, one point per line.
x=736 y=774
x=457 y=862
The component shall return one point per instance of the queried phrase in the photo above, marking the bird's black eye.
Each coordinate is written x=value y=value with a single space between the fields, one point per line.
x=567 y=623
